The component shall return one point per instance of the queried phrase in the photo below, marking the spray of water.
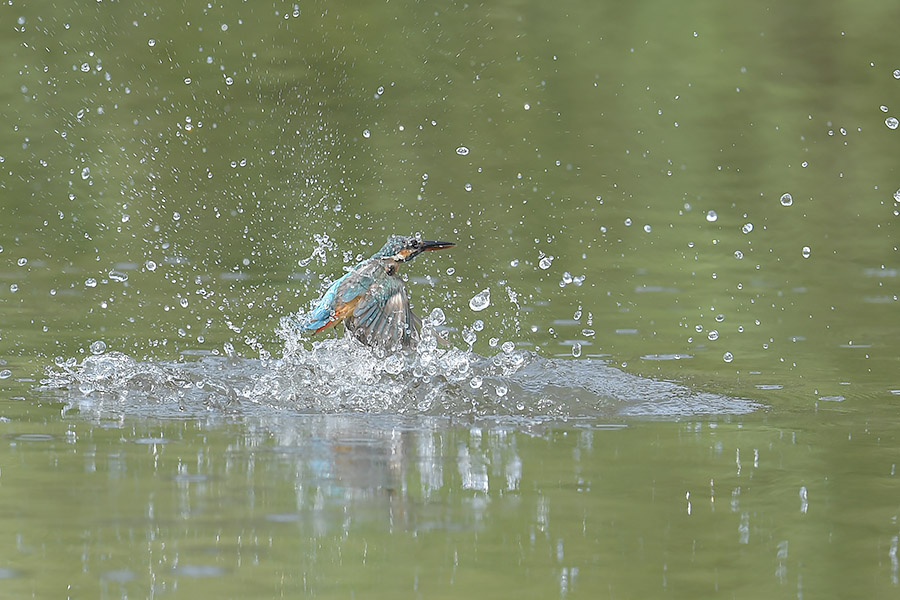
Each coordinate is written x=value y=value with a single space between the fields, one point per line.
x=341 y=375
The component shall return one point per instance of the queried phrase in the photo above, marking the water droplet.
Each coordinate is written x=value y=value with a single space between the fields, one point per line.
x=738 y=254
x=883 y=108
x=176 y=216
x=502 y=390
x=5 y=374
x=478 y=325
x=150 y=265
x=711 y=216
x=805 y=252
x=468 y=187
x=229 y=80
x=476 y=382
x=747 y=228
x=85 y=67
x=699 y=328
x=187 y=80
x=14 y=287
x=462 y=150
x=151 y=42
x=85 y=172
x=508 y=347
x=437 y=317
x=896 y=199
x=647 y=228
x=719 y=318
x=628 y=222
x=545 y=262
x=393 y=364
x=576 y=349
x=98 y=347
x=713 y=335
x=787 y=199
x=118 y=276
x=22 y=262
x=728 y=357
x=896 y=73
x=891 y=122
x=90 y=282
x=480 y=301
x=366 y=133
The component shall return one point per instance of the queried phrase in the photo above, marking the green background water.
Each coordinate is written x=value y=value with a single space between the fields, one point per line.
x=166 y=172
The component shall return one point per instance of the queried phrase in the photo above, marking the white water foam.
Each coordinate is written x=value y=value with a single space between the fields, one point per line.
x=340 y=375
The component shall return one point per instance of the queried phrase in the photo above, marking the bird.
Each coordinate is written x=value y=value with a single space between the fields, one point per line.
x=371 y=298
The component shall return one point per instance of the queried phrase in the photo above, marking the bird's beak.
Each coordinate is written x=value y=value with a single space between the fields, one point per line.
x=407 y=254
x=428 y=245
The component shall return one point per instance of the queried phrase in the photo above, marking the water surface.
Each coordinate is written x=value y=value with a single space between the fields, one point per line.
x=671 y=310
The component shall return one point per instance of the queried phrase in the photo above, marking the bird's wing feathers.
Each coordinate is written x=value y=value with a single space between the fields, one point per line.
x=322 y=314
x=383 y=315
x=373 y=305
x=337 y=302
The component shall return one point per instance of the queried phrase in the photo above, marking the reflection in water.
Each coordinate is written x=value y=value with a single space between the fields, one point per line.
x=297 y=498
x=306 y=497
x=338 y=504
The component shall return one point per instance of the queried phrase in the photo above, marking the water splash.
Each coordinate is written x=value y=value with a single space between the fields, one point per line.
x=340 y=375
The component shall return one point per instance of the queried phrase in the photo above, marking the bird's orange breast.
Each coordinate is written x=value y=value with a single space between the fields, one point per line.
x=341 y=312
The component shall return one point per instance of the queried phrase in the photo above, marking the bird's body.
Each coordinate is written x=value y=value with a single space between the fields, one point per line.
x=371 y=298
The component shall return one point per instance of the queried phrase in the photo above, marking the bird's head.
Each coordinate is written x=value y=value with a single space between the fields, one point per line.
x=404 y=248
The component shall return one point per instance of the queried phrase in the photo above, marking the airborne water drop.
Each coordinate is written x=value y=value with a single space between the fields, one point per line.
x=481 y=300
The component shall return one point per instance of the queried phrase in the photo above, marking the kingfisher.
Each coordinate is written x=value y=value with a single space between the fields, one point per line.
x=371 y=298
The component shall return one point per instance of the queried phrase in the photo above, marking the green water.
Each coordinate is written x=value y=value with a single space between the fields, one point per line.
x=167 y=177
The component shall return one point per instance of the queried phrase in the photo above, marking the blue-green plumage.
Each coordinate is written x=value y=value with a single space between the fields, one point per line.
x=371 y=299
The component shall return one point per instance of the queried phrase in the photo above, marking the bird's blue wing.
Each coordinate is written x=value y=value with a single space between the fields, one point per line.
x=340 y=299
x=323 y=313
